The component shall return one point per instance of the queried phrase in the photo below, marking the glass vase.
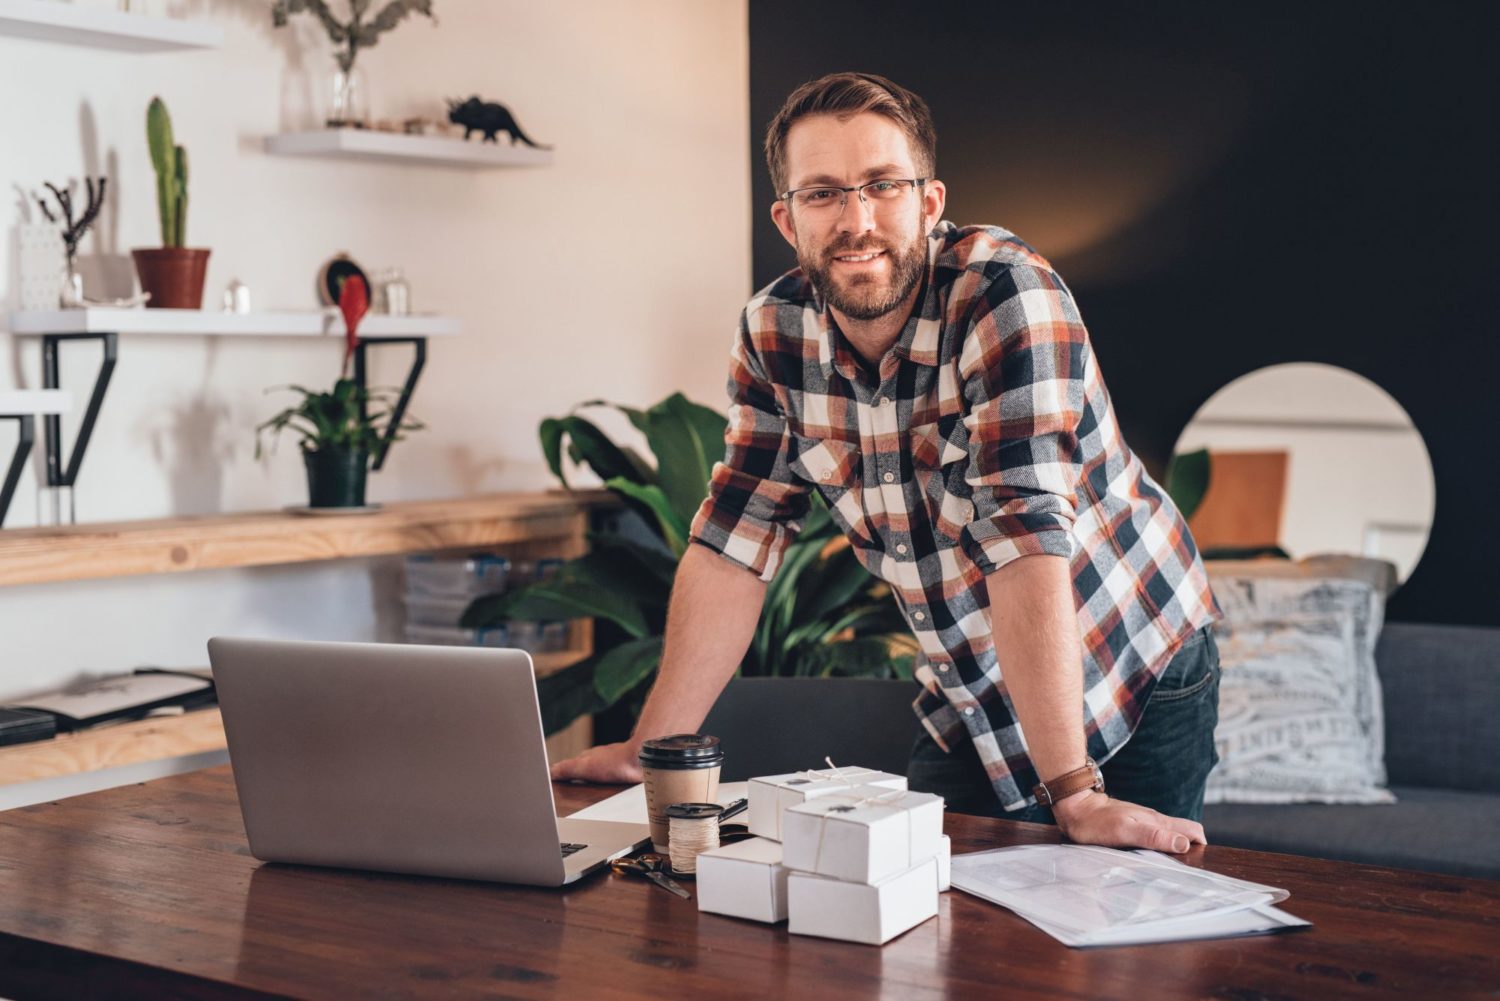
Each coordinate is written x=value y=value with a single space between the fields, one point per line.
x=346 y=99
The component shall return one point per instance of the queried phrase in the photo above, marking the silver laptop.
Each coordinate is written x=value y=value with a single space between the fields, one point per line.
x=402 y=758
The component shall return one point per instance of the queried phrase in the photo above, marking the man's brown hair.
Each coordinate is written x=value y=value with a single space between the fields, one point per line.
x=846 y=95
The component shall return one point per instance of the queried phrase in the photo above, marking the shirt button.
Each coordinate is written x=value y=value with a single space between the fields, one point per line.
x=919 y=616
x=890 y=477
x=942 y=667
x=968 y=710
x=901 y=548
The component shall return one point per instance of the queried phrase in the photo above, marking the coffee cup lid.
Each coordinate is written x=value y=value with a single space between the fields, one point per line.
x=694 y=811
x=682 y=748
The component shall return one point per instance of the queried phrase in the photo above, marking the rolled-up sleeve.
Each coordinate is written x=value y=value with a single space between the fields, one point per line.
x=755 y=504
x=1024 y=373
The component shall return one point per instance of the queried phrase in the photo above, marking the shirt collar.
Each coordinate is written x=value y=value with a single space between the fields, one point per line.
x=919 y=338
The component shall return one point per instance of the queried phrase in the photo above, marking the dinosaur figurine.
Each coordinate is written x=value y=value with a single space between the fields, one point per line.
x=487 y=117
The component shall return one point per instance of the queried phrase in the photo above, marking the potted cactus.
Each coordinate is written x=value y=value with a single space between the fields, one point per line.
x=172 y=273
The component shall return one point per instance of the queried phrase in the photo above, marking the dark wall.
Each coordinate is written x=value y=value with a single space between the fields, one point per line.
x=1223 y=191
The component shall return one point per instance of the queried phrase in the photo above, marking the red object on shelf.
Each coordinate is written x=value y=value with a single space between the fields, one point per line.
x=354 y=303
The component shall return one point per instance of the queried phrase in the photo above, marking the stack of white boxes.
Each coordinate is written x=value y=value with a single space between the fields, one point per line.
x=845 y=853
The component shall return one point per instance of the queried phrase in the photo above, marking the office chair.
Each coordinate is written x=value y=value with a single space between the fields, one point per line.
x=770 y=726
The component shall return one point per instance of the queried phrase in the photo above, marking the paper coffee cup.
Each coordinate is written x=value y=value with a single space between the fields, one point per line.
x=682 y=768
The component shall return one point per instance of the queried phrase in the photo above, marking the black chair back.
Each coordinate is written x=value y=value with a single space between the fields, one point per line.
x=770 y=726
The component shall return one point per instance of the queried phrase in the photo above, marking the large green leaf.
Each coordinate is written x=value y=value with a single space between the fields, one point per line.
x=568 y=694
x=1188 y=476
x=655 y=563
x=684 y=460
x=626 y=666
x=832 y=583
x=673 y=529
x=586 y=443
x=566 y=596
x=551 y=434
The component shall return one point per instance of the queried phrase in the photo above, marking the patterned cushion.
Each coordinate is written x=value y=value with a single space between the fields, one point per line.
x=1300 y=715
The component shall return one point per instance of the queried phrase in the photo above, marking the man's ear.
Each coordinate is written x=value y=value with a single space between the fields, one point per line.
x=782 y=217
x=934 y=197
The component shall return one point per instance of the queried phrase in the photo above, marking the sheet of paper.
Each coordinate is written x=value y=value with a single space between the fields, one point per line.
x=629 y=805
x=1086 y=890
x=1262 y=920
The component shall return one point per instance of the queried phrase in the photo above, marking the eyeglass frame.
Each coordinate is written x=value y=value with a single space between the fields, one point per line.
x=916 y=183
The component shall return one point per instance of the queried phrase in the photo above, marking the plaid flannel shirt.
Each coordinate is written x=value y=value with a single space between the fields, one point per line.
x=989 y=436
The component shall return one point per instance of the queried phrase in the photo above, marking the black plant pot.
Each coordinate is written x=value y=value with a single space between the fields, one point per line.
x=336 y=477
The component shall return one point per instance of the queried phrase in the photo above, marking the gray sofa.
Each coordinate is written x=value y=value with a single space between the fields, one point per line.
x=1441 y=688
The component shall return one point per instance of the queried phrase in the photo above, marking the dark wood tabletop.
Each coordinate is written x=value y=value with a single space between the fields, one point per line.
x=149 y=891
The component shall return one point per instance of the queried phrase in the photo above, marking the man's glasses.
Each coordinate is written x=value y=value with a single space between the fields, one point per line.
x=831 y=199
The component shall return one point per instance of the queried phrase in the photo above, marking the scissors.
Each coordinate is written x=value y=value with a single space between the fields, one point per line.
x=650 y=866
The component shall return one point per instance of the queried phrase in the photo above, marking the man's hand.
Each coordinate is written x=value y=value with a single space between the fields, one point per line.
x=1092 y=818
x=612 y=763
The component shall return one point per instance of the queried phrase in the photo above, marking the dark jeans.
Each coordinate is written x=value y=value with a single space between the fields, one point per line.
x=1164 y=765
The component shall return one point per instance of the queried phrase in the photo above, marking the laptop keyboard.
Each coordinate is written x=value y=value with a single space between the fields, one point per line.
x=568 y=849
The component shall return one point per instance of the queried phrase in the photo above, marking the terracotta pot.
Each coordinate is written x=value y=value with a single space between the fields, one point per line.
x=173 y=275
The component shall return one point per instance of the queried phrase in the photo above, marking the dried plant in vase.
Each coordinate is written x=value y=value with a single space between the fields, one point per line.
x=350 y=37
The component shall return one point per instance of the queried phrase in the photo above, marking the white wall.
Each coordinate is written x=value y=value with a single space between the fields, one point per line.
x=616 y=272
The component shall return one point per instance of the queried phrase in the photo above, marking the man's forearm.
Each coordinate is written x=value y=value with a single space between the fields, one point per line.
x=710 y=621
x=1035 y=625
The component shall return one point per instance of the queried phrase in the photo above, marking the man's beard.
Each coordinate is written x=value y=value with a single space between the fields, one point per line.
x=862 y=296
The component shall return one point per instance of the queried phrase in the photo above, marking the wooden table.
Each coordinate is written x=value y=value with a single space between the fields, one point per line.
x=150 y=891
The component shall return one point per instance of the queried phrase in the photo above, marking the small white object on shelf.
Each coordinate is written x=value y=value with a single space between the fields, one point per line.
x=280 y=323
x=15 y=402
x=74 y=24
x=398 y=146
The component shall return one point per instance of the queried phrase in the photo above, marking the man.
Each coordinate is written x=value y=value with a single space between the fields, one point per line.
x=937 y=386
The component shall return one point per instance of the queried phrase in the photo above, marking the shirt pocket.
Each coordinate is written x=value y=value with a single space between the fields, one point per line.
x=835 y=468
x=940 y=466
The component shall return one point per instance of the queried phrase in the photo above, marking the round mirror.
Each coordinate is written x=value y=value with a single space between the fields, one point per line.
x=1303 y=459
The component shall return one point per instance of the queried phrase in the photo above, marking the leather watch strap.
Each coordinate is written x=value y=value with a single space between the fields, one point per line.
x=1079 y=779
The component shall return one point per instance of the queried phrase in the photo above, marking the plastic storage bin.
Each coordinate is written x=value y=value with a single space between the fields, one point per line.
x=457 y=575
x=436 y=610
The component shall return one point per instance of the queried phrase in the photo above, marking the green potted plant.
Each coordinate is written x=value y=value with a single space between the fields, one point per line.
x=172 y=273
x=824 y=614
x=340 y=430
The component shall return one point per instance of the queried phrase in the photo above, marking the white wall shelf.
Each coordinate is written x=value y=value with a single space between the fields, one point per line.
x=276 y=323
x=35 y=401
x=399 y=147
x=71 y=24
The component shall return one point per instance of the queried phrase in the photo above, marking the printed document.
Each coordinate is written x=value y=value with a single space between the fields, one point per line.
x=1085 y=895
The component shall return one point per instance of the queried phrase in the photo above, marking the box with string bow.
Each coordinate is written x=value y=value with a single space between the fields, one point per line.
x=771 y=795
x=863 y=835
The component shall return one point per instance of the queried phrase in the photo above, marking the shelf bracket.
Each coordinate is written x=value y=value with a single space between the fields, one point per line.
x=59 y=474
x=399 y=410
x=26 y=424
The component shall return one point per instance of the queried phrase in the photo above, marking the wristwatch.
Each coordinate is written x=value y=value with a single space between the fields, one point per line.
x=1079 y=779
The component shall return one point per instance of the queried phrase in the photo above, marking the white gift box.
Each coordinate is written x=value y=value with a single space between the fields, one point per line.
x=770 y=795
x=945 y=865
x=744 y=880
x=863 y=835
x=860 y=912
